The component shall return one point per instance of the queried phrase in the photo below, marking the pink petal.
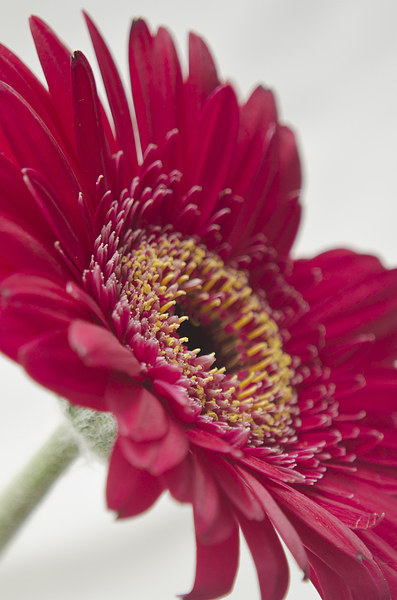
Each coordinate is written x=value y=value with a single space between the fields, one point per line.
x=35 y=147
x=74 y=243
x=207 y=440
x=215 y=569
x=327 y=581
x=55 y=61
x=139 y=413
x=181 y=405
x=213 y=518
x=169 y=86
x=258 y=119
x=284 y=527
x=142 y=80
x=236 y=489
x=129 y=491
x=17 y=203
x=157 y=456
x=50 y=361
x=20 y=251
x=15 y=73
x=98 y=347
x=320 y=522
x=202 y=79
x=271 y=564
x=29 y=307
x=212 y=145
x=88 y=127
x=116 y=95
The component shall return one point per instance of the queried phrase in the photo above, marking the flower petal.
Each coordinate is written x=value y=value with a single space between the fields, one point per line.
x=98 y=347
x=34 y=146
x=139 y=413
x=88 y=127
x=21 y=251
x=215 y=569
x=213 y=518
x=271 y=564
x=129 y=491
x=116 y=95
x=50 y=361
x=284 y=527
x=212 y=145
x=157 y=456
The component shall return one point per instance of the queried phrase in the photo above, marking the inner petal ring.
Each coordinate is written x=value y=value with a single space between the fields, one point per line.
x=181 y=293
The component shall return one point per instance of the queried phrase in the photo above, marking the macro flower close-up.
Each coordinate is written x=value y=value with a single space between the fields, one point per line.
x=146 y=273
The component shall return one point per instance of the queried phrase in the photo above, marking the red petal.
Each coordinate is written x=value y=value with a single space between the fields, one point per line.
x=50 y=361
x=30 y=307
x=88 y=127
x=201 y=82
x=98 y=347
x=212 y=145
x=327 y=582
x=35 y=147
x=129 y=491
x=316 y=519
x=271 y=564
x=287 y=532
x=116 y=95
x=139 y=413
x=207 y=440
x=15 y=73
x=282 y=226
x=213 y=519
x=258 y=119
x=55 y=61
x=215 y=569
x=22 y=252
x=181 y=405
x=236 y=489
x=335 y=544
x=169 y=85
x=74 y=243
x=17 y=203
x=158 y=456
x=142 y=80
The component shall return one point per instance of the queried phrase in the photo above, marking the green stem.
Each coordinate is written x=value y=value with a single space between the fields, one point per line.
x=33 y=482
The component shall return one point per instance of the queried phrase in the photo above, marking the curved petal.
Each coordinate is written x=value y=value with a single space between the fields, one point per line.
x=129 y=491
x=98 y=347
x=215 y=569
x=50 y=361
x=116 y=95
x=88 y=127
x=21 y=252
x=139 y=413
x=271 y=564
x=214 y=521
x=157 y=456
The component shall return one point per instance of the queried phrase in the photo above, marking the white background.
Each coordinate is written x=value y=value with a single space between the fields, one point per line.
x=333 y=64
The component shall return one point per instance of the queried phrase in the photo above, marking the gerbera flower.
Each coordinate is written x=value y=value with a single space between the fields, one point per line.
x=145 y=271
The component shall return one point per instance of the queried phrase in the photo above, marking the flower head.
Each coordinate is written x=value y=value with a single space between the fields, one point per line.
x=145 y=271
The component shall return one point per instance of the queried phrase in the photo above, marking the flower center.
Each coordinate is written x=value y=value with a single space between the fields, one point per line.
x=203 y=317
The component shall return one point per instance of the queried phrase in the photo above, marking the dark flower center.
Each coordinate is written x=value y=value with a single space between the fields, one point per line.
x=204 y=318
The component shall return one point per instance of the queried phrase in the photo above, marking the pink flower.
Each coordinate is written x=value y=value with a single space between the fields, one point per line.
x=126 y=246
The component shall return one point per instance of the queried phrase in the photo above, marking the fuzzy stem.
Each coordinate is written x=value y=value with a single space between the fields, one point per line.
x=24 y=493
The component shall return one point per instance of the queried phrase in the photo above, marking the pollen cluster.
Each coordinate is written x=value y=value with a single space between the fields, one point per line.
x=185 y=295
